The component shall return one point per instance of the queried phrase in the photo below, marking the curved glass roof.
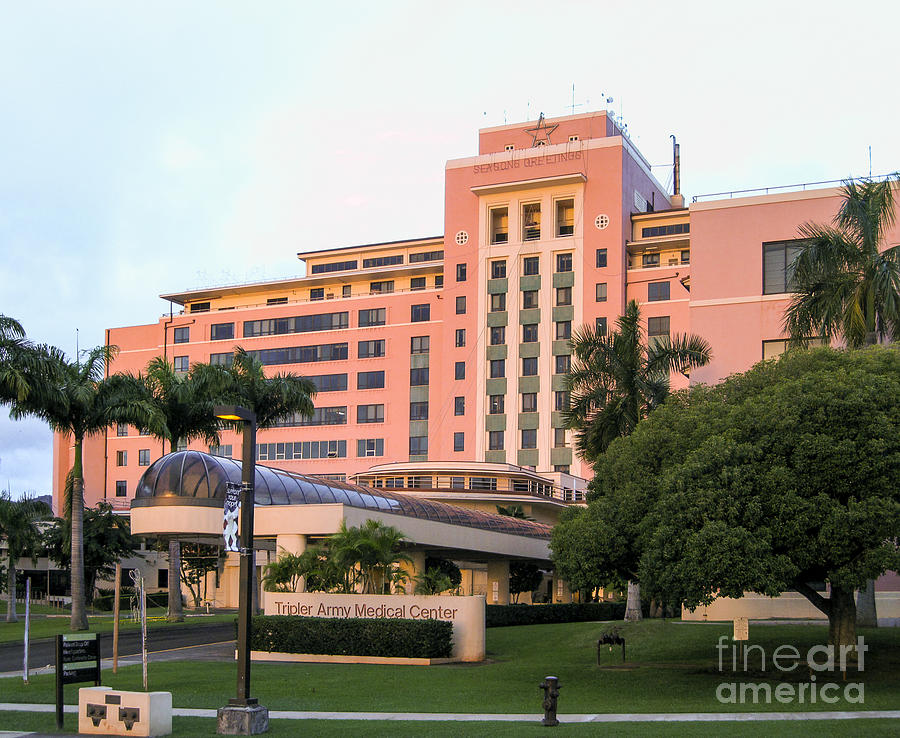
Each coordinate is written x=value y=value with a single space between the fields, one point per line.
x=193 y=474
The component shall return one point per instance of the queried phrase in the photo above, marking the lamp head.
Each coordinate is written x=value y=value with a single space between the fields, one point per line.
x=234 y=413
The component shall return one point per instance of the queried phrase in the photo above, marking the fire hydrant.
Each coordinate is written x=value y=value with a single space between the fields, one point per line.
x=550 y=685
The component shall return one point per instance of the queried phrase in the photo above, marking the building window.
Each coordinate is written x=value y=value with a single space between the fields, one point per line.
x=601 y=326
x=460 y=272
x=563 y=364
x=564 y=468
x=224 y=451
x=498 y=270
x=601 y=292
x=382 y=261
x=774 y=349
x=375 y=316
x=426 y=256
x=498 y=302
x=531 y=265
x=601 y=258
x=460 y=337
x=665 y=230
x=459 y=370
x=461 y=305
x=531 y=221
x=143 y=432
x=529 y=366
x=370 y=447
x=561 y=400
x=559 y=438
x=778 y=269
x=565 y=217
x=419 y=344
x=346 y=290
x=499 y=225
x=297 y=324
x=418 y=411
x=328 y=382
x=686 y=257
x=369 y=380
x=564 y=262
x=563 y=330
x=649 y=261
x=529 y=402
x=180 y=363
x=221 y=332
x=438 y=280
x=563 y=296
x=658 y=326
x=121 y=458
x=370 y=349
x=370 y=413
x=144 y=457
x=384 y=287
x=495 y=440
x=419 y=313
x=417 y=283
x=529 y=438
x=657 y=291
x=418 y=445
x=498 y=335
x=498 y=368
x=317 y=294
x=334 y=266
x=181 y=335
x=276 y=301
x=529 y=299
x=496 y=404
x=122 y=429
x=459 y=405
x=459 y=441
x=199 y=307
x=418 y=377
x=121 y=489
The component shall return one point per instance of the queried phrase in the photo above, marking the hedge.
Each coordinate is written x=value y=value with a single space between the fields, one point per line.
x=400 y=638
x=575 y=612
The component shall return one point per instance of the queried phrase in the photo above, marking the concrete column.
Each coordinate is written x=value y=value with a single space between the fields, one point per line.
x=292 y=543
x=413 y=568
x=498 y=582
x=561 y=591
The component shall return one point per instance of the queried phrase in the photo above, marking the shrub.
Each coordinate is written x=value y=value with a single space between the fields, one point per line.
x=575 y=612
x=429 y=639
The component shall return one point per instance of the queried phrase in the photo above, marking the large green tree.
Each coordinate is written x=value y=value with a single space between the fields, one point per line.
x=776 y=479
x=76 y=399
x=845 y=280
x=20 y=531
x=615 y=381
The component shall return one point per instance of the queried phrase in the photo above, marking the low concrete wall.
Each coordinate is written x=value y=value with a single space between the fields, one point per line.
x=465 y=613
x=788 y=605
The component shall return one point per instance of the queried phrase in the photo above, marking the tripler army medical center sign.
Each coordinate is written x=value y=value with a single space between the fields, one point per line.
x=465 y=613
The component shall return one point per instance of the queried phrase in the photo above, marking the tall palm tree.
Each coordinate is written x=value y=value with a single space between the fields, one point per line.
x=615 y=381
x=845 y=282
x=76 y=399
x=177 y=407
x=17 y=356
x=19 y=527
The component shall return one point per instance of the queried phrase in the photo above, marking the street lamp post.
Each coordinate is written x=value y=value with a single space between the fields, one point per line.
x=243 y=715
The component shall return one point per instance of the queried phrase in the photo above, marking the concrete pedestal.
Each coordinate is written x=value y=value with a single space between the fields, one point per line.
x=242 y=720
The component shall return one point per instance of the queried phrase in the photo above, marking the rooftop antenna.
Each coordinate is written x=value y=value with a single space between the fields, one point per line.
x=870 y=161
x=574 y=104
x=77 y=353
x=504 y=117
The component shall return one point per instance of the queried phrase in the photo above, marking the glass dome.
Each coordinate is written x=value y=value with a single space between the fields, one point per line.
x=193 y=477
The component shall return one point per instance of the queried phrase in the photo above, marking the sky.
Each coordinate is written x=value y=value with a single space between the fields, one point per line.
x=155 y=147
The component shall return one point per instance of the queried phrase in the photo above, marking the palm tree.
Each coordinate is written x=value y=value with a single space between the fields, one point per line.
x=177 y=407
x=615 y=381
x=16 y=356
x=19 y=526
x=845 y=283
x=76 y=399
x=369 y=556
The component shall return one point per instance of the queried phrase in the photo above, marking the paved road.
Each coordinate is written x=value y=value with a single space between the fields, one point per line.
x=43 y=651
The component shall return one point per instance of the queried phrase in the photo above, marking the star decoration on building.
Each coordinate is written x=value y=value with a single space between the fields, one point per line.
x=540 y=134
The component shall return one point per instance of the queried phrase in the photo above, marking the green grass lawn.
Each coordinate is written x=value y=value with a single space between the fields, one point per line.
x=672 y=667
x=48 y=624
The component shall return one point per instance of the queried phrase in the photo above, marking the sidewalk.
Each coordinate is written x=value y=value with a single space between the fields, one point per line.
x=517 y=718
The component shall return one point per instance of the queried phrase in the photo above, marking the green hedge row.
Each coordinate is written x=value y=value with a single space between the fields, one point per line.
x=399 y=638
x=575 y=612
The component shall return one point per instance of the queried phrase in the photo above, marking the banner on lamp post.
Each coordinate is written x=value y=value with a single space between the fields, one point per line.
x=232 y=515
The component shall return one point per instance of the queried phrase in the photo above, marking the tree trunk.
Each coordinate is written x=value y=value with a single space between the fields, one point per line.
x=633 y=603
x=842 y=619
x=79 y=616
x=11 y=616
x=176 y=611
x=866 y=614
